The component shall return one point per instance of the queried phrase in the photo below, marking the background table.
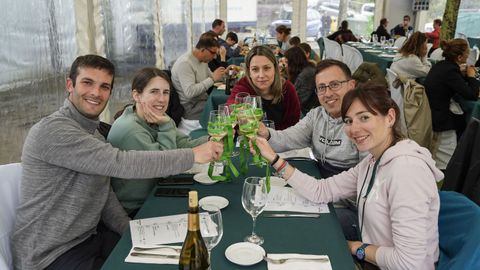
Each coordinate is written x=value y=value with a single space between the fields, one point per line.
x=321 y=235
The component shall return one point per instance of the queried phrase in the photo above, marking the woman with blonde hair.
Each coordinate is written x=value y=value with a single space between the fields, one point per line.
x=262 y=78
x=411 y=60
x=447 y=79
x=397 y=208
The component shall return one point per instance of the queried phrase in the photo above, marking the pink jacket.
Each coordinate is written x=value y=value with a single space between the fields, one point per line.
x=401 y=211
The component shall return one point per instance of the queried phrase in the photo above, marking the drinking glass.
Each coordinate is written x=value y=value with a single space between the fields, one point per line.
x=240 y=97
x=391 y=42
x=217 y=128
x=254 y=199
x=211 y=226
x=247 y=123
x=382 y=40
x=367 y=38
x=230 y=114
x=374 y=39
x=256 y=103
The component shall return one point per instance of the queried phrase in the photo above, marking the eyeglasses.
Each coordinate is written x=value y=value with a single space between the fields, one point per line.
x=210 y=51
x=333 y=85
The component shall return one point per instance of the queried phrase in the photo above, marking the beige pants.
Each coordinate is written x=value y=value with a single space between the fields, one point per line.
x=445 y=143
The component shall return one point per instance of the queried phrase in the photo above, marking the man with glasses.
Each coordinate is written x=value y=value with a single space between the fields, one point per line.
x=192 y=78
x=322 y=130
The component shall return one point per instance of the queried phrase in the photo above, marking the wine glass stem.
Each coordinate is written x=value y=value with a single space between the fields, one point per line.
x=209 y=258
x=253 y=227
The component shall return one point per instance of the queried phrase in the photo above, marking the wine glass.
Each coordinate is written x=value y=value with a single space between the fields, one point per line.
x=247 y=122
x=230 y=114
x=211 y=226
x=217 y=128
x=254 y=199
x=374 y=39
x=382 y=40
x=239 y=97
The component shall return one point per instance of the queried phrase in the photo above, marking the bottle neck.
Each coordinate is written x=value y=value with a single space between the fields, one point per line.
x=193 y=219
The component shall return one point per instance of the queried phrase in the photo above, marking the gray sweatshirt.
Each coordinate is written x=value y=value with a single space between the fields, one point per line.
x=324 y=134
x=192 y=79
x=65 y=189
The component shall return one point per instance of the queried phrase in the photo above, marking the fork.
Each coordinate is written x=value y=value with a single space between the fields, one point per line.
x=283 y=260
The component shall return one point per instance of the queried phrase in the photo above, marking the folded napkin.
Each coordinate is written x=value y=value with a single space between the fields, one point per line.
x=156 y=260
x=298 y=264
x=197 y=168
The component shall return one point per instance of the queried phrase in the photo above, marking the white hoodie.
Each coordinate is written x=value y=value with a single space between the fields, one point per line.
x=401 y=210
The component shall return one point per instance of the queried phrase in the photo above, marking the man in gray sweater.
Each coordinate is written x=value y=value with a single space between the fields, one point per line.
x=322 y=130
x=68 y=216
x=192 y=78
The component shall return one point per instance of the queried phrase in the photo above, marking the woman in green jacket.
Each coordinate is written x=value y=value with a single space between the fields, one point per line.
x=146 y=126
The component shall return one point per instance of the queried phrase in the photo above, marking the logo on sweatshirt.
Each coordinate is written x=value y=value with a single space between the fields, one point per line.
x=330 y=142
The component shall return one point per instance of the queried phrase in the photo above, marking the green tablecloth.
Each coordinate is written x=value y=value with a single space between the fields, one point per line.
x=321 y=235
x=382 y=62
x=471 y=109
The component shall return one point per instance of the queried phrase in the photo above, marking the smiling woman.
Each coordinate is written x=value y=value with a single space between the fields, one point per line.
x=146 y=126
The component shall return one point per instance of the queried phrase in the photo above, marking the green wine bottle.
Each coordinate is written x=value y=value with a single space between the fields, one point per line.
x=194 y=254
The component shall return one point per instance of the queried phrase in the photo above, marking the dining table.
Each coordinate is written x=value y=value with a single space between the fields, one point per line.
x=320 y=235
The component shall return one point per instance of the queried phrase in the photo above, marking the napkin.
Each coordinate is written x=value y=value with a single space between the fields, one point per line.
x=165 y=251
x=298 y=264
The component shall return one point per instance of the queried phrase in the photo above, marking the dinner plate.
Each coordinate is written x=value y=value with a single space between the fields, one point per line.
x=245 y=253
x=277 y=181
x=203 y=178
x=218 y=201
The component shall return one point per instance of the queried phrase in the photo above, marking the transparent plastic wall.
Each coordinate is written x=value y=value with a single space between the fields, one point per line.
x=37 y=45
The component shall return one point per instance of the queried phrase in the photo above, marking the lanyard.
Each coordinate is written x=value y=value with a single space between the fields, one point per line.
x=369 y=188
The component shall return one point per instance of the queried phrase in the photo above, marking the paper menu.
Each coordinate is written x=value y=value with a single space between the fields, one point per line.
x=286 y=199
x=166 y=229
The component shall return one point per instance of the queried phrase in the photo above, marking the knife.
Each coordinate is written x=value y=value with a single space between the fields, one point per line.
x=292 y=215
x=153 y=255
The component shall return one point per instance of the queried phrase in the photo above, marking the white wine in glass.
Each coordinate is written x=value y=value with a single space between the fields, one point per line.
x=254 y=199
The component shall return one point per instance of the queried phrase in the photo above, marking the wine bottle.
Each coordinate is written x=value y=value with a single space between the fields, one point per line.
x=229 y=82
x=194 y=254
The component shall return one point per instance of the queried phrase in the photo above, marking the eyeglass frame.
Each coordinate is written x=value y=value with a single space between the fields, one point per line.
x=212 y=52
x=333 y=89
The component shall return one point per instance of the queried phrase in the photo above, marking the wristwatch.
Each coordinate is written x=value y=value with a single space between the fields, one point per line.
x=360 y=253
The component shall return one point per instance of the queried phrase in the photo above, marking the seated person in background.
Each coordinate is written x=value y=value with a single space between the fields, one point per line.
x=311 y=54
x=262 y=78
x=192 y=78
x=294 y=41
x=231 y=45
x=301 y=73
x=145 y=126
x=68 y=216
x=283 y=35
x=343 y=34
x=219 y=60
x=218 y=28
x=411 y=60
x=435 y=35
x=382 y=30
x=444 y=81
x=397 y=207
x=403 y=28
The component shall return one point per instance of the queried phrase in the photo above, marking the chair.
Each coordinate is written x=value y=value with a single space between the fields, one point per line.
x=352 y=57
x=333 y=50
x=396 y=92
x=399 y=42
x=463 y=170
x=473 y=56
x=459 y=234
x=437 y=54
x=10 y=178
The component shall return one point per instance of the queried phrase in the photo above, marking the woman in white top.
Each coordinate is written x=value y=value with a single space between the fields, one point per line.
x=411 y=61
x=397 y=196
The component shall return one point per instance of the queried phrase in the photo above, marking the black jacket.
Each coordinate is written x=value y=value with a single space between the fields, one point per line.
x=463 y=169
x=382 y=32
x=443 y=82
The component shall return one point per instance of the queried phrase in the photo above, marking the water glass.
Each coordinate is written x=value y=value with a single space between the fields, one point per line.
x=211 y=226
x=254 y=199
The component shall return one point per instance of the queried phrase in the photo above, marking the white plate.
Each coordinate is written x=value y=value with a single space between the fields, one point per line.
x=218 y=201
x=245 y=253
x=203 y=178
x=277 y=181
